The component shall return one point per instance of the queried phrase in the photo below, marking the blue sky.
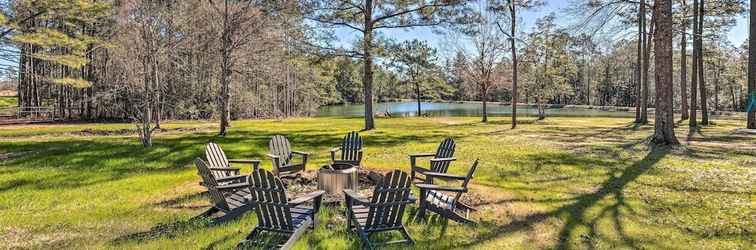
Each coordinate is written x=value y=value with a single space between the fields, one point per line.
x=737 y=35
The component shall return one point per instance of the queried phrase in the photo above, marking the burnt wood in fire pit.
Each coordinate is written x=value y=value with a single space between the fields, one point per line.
x=336 y=177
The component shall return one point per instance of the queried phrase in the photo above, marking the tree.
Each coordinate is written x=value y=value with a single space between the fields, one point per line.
x=239 y=20
x=415 y=62
x=646 y=61
x=751 y=117
x=664 y=127
x=369 y=17
x=508 y=12
x=694 y=70
x=699 y=60
x=483 y=67
x=547 y=64
x=640 y=109
x=684 y=61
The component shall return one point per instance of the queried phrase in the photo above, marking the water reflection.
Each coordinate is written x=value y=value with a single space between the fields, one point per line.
x=461 y=109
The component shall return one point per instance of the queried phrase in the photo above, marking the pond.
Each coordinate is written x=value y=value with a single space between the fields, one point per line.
x=467 y=109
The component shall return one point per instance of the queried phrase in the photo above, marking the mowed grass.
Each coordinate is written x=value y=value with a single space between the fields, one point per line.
x=583 y=183
x=8 y=101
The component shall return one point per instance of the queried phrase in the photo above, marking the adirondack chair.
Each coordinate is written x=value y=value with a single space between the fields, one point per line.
x=231 y=199
x=384 y=211
x=282 y=156
x=351 y=150
x=444 y=200
x=217 y=159
x=440 y=161
x=280 y=221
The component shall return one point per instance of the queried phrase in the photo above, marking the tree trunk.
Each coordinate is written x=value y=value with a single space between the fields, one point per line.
x=419 y=99
x=646 y=62
x=514 y=65
x=716 y=90
x=641 y=37
x=684 y=68
x=694 y=70
x=224 y=98
x=485 y=110
x=734 y=103
x=367 y=75
x=701 y=79
x=664 y=133
x=541 y=112
x=751 y=120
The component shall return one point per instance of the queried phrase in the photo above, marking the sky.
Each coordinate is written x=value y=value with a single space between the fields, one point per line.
x=737 y=35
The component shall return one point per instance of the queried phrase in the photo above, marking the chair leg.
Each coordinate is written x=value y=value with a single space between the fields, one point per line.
x=420 y=216
x=407 y=236
x=365 y=239
x=249 y=237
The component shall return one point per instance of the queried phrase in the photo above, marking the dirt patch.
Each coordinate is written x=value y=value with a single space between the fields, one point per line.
x=7 y=93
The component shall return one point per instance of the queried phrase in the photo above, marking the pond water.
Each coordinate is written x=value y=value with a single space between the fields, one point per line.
x=462 y=109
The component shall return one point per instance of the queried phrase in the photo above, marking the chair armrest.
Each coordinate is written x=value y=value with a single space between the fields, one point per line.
x=226 y=169
x=232 y=187
x=422 y=155
x=272 y=156
x=230 y=178
x=300 y=153
x=336 y=149
x=425 y=187
x=244 y=161
x=443 y=159
x=444 y=176
x=352 y=196
x=307 y=197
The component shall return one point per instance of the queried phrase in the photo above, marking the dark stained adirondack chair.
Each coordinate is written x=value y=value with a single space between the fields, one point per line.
x=440 y=161
x=382 y=212
x=444 y=200
x=351 y=150
x=231 y=199
x=280 y=221
x=282 y=156
x=217 y=159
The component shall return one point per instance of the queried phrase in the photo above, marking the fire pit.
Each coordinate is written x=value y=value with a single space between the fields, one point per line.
x=336 y=177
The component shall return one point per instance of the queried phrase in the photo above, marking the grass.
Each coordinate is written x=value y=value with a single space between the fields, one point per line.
x=585 y=183
x=8 y=101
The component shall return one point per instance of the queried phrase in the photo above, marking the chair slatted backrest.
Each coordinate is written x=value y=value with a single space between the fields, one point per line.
x=280 y=146
x=390 y=197
x=445 y=150
x=467 y=180
x=351 y=146
x=269 y=201
x=208 y=179
x=217 y=159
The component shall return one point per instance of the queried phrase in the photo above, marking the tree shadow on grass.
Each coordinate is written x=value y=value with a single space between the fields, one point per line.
x=165 y=230
x=575 y=215
x=84 y=162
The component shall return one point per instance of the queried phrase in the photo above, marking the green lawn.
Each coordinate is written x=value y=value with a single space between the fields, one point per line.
x=8 y=101
x=587 y=183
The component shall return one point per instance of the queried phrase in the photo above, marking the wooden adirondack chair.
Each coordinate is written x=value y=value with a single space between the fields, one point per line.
x=217 y=159
x=384 y=211
x=231 y=199
x=351 y=150
x=282 y=156
x=444 y=200
x=440 y=160
x=280 y=221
